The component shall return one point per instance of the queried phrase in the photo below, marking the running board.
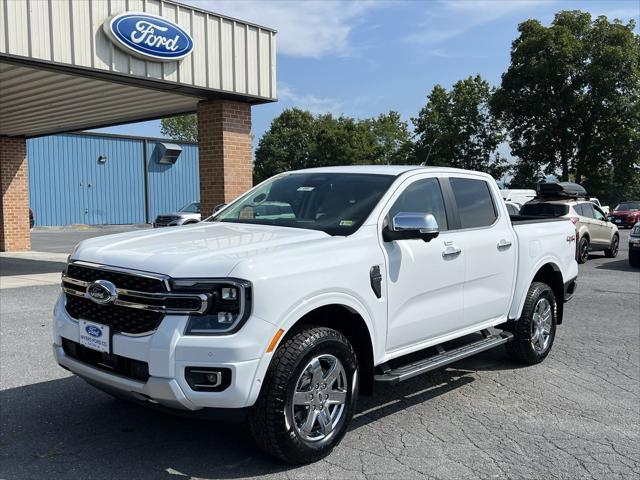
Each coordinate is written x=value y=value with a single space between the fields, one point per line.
x=410 y=370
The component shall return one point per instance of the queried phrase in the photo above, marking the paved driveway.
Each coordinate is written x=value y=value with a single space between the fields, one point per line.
x=577 y=415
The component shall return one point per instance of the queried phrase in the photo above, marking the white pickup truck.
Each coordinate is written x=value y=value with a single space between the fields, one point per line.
x=310 y=289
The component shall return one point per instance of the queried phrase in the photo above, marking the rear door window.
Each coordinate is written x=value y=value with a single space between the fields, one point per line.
x=587 y=210
x=578 y=209
x=474 y=201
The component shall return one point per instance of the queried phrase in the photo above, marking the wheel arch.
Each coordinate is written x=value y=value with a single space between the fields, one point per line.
x=353 y=326
x=551 y=274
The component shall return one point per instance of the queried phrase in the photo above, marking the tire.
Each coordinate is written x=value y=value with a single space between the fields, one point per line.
x=612 y=251
x=277 y=420
x=634 y=259
x=524 y=347
x=583 y=250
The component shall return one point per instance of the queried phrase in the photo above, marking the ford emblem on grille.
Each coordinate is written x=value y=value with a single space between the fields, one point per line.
x=102 y=292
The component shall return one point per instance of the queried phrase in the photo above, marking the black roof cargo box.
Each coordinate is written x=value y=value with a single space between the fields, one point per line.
x=561 y=190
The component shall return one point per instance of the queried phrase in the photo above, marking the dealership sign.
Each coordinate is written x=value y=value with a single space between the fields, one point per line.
x=148 y=36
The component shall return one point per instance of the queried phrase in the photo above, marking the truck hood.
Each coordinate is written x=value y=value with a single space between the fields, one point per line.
x=202 y=250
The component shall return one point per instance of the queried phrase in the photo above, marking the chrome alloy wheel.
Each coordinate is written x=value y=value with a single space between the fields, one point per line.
x=541 y=325
x=319 y=398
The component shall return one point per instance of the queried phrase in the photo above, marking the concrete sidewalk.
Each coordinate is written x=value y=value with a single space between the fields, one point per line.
x=28 y=269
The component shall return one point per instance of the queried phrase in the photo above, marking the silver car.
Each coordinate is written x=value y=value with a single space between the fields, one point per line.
x=187 y=215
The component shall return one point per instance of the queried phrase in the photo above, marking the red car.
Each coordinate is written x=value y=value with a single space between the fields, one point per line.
x=626 y=214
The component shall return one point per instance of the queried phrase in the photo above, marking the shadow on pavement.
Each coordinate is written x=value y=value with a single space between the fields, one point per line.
x=618 y=265
x=21 y=266
x=67 y=429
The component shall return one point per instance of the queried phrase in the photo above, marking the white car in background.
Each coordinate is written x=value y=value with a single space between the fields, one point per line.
x=519 y=196
x=187 y=215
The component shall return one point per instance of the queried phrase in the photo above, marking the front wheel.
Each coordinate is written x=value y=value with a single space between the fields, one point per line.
x=535 y=330
x=308 y=396
x=612 y=251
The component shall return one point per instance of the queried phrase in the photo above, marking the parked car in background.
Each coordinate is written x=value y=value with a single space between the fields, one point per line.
x=604 y=208
x=634 y=246
x=307 y=291
x=595 y=233
x=519 y=196
x=626 y=214
x=513 y=208
x=187 y=215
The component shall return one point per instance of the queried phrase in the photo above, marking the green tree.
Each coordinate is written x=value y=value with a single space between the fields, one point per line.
x=569 y=101
x=181 y=127
x=297 y=139
x=456 y=128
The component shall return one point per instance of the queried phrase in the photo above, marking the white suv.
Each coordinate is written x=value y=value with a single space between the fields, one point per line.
x=595 y=233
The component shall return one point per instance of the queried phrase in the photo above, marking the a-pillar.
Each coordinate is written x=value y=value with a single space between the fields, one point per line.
x=14 y=209
x=224 y=139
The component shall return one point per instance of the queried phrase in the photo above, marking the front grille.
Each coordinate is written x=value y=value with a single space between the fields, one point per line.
x=120 y=319
x=127 y=281
x=127 y=367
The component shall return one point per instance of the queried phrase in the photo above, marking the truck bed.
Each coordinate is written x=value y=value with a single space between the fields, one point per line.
x=523 y=219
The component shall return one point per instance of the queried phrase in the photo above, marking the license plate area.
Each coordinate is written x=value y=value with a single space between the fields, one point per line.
x=94 y=336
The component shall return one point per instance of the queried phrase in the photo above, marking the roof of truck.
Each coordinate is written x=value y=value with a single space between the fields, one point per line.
x=380 y=169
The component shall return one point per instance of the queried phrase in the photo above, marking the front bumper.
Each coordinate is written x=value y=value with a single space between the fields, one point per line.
x=168 y=353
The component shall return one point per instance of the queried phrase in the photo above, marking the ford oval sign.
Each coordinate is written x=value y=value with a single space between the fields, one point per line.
x=148 y=36
x=93 y=331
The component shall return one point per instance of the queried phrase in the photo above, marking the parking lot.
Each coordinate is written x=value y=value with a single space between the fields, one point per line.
x=577 y=415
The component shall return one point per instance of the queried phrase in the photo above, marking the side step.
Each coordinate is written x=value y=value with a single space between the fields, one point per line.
x=410 y=370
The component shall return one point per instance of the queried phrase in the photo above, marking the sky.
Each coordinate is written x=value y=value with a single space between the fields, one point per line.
x=363 y=58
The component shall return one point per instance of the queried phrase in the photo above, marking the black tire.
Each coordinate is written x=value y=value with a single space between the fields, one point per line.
x=612 y=251
x=634 y=259
x=583 y=250
x=272 y=419
x=521 y=347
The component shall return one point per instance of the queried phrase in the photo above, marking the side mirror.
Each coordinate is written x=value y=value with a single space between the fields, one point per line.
x=411 y=225
x=218 y=207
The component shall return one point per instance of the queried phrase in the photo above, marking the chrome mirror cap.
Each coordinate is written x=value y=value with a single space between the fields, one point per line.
x=414 y=221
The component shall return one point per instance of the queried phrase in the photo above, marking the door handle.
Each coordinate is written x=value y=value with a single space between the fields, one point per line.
x=504 y=244
x=450 y=250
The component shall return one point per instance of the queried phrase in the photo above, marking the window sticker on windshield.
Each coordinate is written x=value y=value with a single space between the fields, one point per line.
x=306 y=189
x=346 y=223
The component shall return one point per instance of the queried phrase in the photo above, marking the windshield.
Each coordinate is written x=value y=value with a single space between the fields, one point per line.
x=628 y=206
x=193 y=207
x=336 y=203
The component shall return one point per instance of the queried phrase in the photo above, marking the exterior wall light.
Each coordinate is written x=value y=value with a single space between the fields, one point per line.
x=102 y=159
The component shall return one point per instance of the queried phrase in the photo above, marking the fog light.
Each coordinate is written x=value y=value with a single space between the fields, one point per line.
x=208 y=379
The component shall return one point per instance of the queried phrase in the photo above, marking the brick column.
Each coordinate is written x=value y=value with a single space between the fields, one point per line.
x=224 y=138
x=14 y=180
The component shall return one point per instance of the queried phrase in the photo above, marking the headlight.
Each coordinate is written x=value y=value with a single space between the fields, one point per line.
x=229 y=308
x=635 y=230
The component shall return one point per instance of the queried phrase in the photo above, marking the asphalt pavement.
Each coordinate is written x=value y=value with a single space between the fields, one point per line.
x=575 y=416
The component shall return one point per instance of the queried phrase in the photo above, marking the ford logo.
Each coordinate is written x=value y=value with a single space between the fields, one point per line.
x=93 y=331
x=102 y=292
x=148 y=36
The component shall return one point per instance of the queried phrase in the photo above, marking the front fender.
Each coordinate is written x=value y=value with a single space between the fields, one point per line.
x=293 y=315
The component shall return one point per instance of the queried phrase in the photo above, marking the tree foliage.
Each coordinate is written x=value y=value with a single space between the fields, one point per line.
x=570 y=102
x=456 y=128
x=181 y=127
x=297 y=139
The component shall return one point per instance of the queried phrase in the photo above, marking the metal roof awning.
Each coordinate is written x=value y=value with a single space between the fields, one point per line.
x=41 y=102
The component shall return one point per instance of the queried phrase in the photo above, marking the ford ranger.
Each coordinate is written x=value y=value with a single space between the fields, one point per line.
x=309 y=290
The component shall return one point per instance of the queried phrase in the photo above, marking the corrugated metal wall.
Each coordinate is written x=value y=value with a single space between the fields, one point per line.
x=69 y=185
x=229 y=55
x=173 y=186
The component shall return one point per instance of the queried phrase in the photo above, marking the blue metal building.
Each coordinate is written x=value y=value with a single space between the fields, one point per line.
x=92 y=178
